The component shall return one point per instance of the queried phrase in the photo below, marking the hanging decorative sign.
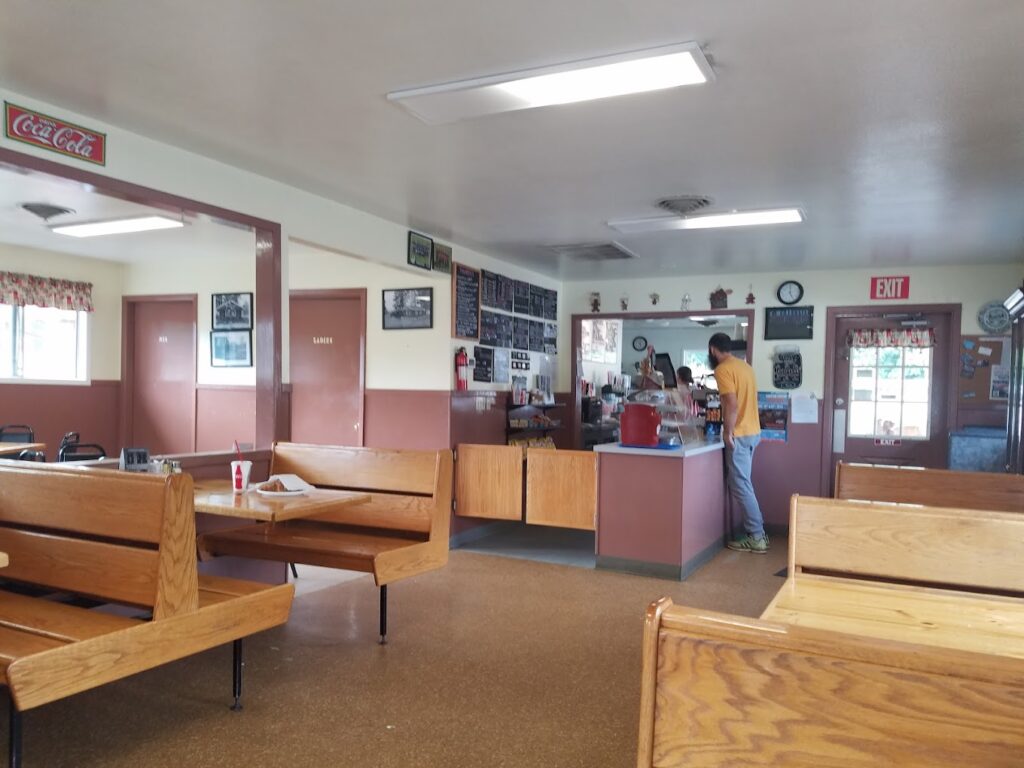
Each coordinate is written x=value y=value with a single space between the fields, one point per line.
x=890 y=287
x=39 y=130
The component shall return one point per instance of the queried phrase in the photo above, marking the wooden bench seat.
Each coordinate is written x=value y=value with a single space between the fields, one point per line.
x=897 y=639
x=116 y=538
x=401 y=531
x=999 y=491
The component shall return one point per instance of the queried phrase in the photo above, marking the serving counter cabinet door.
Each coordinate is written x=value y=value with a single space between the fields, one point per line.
x=561 y=488
x=489 y=482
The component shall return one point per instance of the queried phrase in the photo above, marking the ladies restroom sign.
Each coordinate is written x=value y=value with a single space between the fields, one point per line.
x=890 y=288
x=39 y=130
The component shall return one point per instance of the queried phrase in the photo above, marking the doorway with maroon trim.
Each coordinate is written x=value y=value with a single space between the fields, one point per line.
x=892 y=398
x=327 y=347
x=159 y=377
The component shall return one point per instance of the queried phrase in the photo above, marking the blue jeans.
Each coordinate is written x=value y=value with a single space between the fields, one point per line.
x=739 y=461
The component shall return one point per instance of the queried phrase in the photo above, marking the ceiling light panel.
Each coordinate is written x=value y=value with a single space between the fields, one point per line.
x=709 y=221
x=635 y=72
x=117 y=226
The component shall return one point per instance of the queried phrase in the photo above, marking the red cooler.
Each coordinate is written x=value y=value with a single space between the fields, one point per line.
x=639 y=424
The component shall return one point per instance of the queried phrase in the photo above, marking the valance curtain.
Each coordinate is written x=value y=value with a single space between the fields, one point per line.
x=21 y=290
x=892 y=337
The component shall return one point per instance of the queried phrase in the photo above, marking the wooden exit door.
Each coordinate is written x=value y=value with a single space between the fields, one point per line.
x=327 y=334
x=893 y=387
x=160 y=373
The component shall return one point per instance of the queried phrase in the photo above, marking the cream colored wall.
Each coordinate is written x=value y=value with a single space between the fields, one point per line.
x=106 y=278
x=229 y=273
x=402 y=359
x=969 y=285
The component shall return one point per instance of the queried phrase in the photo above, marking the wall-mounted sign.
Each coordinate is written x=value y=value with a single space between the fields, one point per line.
x=39 y=130
x=888 y=442
x=890 y=287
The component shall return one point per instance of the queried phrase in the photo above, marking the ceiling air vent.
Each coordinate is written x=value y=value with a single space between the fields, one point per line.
x=684 y=205
x=593 y=252
x=45 y=211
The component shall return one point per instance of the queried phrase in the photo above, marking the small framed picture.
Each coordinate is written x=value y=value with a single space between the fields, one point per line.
x=421 y=250
x=231 y=349
x=443 y=258
x=407 y=308
x=232 y=312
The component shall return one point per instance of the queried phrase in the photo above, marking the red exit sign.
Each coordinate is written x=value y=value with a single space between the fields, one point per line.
x=890 y=287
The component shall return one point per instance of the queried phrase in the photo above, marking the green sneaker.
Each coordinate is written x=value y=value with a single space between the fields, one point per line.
x=755 y=544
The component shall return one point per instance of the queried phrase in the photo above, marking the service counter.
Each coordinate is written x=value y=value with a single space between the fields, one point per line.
x=660 y=512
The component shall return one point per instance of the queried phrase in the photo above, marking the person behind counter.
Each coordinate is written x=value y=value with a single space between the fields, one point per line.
x=741 y=432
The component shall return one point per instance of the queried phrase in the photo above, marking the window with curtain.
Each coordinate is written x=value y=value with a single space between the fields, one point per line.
x=43 y=328
x=890 y=383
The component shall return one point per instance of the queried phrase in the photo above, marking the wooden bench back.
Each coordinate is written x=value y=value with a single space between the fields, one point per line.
x=931 y=487
x=952 y=547
x=725 y=690
x=410 y=491
x=126 y=538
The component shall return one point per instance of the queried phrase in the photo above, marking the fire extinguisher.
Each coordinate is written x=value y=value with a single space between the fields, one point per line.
x=461 y=370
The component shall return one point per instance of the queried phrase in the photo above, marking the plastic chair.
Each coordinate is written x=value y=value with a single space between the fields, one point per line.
x=71 y=449
x=17 y=433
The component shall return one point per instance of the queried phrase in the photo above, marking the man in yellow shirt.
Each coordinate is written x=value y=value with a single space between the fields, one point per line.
x=741 y=432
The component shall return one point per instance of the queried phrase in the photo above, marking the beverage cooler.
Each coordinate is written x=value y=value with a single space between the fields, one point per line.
x=1015 y=413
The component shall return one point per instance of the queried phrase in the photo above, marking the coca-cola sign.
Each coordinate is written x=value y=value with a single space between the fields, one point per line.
x=41 y=130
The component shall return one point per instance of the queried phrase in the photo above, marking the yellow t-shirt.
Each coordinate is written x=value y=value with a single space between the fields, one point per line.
x=734 y=376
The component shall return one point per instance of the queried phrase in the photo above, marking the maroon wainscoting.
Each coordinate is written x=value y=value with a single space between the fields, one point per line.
x=224 y=414
x=53 y=409
x=985 y=416
x=782 y=469
x=413 y=419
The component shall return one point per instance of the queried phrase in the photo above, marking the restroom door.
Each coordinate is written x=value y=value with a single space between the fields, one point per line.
x=160 y=373
x=327 y=347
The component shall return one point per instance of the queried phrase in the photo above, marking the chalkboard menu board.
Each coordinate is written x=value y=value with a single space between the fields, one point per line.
x=550 y=339
x=537 y=296
x=483 y=368
x=788 y=323
x=496 y=290
x=536 y=336
x=550 y=305
x=521 y=302
x=495 y=329
x=520 y=333
x=465 y=302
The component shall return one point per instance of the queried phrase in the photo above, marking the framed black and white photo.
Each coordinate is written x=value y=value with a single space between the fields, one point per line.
x=421 y=250
x=231 y=349
x=406 y=308
x=232 y=312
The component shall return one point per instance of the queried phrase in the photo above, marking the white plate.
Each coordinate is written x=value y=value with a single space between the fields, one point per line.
x=280 y=494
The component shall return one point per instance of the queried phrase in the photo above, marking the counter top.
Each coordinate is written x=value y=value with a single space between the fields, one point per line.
x=686 y=449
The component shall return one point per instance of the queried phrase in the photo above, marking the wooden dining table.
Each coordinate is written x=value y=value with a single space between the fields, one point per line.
x=13 y=449
x=215 y=497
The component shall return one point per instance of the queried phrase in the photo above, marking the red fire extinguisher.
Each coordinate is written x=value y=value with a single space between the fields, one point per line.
x=461 y=370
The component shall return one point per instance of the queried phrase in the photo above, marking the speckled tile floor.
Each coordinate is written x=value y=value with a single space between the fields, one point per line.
x=492 y=662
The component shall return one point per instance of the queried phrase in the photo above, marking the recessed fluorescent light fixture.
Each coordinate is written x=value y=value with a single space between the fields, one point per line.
x=709 y=221
x=651 y=69
x=117 y=226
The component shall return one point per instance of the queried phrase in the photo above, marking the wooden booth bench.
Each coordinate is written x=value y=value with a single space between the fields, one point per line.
x=110 y=537
x=400 y=532
x=898 y=639
x=932 y=487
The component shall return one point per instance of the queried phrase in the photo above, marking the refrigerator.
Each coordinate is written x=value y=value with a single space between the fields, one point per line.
x=1015 y=411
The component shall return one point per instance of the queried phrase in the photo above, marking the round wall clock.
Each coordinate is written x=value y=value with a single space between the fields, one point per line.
x=639 y=343
x=790 y=292
x=994 y=317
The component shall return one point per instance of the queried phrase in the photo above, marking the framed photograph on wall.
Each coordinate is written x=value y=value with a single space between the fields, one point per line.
x=443 y=258
x=232 y=312
x=421 y=250
x=408 y=308
x=231 y=349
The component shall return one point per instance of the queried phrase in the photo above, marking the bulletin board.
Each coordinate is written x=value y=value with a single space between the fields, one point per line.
x=981 y=366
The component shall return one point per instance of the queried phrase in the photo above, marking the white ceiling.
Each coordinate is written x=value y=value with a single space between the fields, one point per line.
x=200 y=238
x=897 y=125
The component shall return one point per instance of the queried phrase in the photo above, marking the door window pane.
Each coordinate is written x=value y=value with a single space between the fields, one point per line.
x=890 y=392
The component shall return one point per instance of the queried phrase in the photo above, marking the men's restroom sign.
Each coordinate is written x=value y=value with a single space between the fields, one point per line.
x=890 y=288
